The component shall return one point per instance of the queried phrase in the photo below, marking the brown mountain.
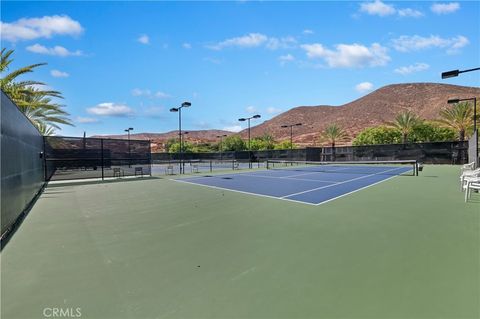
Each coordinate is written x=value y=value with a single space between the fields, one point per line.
x=378 y=107
x=159 y=139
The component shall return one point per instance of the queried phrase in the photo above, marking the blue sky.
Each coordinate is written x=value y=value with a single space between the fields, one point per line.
x=124 y=64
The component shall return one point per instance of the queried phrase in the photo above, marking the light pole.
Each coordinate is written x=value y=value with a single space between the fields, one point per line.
x=474 y=99
x=179 y=110
x=221 y=142
x=129 y=153
x=291 y=132
x=184 y=139
x=243 y=119
x=454 y=73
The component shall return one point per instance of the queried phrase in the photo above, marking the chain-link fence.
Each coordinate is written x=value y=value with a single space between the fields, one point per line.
x=429 y=153
x=79 y=158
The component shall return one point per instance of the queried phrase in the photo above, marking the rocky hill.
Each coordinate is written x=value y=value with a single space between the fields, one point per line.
x=378 y=107
x=159 y=139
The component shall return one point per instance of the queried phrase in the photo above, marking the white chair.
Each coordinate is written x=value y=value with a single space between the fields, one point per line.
x=169 y=170
x=468 y=167
x=194 y=168
x=468 y=175
x=472 y=184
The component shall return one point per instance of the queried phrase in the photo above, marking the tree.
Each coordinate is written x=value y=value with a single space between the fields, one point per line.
x=285 y=145
x=35 y=103
x=175 y=147
x=378 y=135
x=405 y=122
x=234 y=143
x=265 y=142
x=204 y=148
x=459 y=118
x=333 y=134
x=431 y=132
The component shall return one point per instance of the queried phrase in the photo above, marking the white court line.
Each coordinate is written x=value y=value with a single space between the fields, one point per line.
x=293 y=200
x=348 y=180
x=288 y=177
x=242 y=192
x=356 y=190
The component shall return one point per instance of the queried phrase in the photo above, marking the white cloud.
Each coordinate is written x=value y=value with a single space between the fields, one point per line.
x=56 y=50
x=161 y=95
x=253 y=40
x=280 y=43
x=273 y=110
x=286 y=58
x=86 y=120
x=377 y=7
x=144 y=39
x=251 y=109
x=59 y=74
x=186 y=45
x=408 y=12
x=349 y=55
x=140 y=92
x=44 y=27
x=110 y=109
x=308 y=31
x=364 y=87
x=247 y=41
x=445 y=8
x=414 y=43
x=148 y=93
x=233 y=128
x=417 y=67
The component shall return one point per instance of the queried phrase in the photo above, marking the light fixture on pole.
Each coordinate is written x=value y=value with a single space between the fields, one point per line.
x=129 y=153
x=454 y=73
x=291 y=132
x=179 y=110
x=243 y=119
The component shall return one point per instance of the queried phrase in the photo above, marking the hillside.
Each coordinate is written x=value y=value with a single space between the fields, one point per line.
x=158 y=139
x=380 y=106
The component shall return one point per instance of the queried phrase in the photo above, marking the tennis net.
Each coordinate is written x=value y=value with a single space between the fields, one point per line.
x=399 y=167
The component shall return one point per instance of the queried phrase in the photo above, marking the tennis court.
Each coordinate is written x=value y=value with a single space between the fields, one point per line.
x=307 y=182
x=156 y=248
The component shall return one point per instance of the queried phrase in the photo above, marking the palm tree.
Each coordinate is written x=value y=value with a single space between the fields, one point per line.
x=35 y=103
x=459 y=117
x=333 y=134
x=405 y=122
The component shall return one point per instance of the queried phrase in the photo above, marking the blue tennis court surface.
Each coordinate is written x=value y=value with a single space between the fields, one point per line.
x=305 y=185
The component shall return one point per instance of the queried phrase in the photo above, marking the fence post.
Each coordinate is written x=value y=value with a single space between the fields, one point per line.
x=101 y=149
x=44 y=160
x=150 y=156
